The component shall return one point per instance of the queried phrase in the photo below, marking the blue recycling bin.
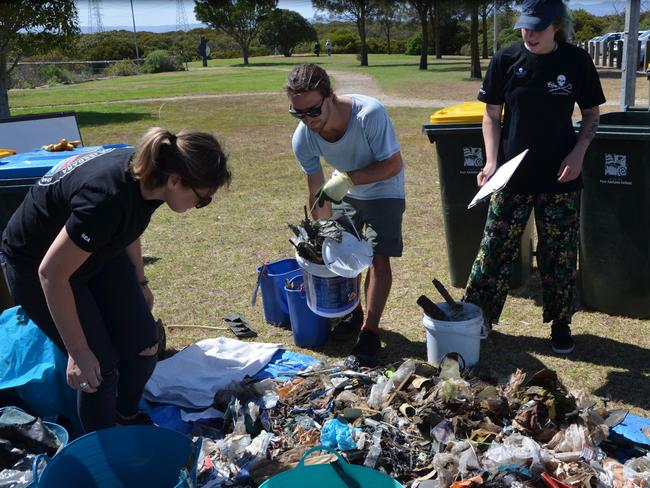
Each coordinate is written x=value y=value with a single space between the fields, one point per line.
x=17 y=175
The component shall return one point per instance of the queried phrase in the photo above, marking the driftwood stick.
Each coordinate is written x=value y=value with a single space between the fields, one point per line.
x=183 y=326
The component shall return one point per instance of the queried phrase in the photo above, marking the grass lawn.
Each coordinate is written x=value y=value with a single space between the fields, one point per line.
x=202 y=263
x=398 y=74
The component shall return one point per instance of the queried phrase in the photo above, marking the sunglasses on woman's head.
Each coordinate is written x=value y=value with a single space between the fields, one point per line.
x=312 y=112
x=203 y=201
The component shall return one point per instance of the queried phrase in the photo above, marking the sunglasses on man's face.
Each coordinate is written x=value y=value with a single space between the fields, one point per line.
x=312 y=112
x=203 y=201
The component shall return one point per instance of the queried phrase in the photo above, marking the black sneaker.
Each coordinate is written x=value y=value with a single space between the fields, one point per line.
x=349 y=326
x=140 y=418
x=561 y=340
x=368 y=344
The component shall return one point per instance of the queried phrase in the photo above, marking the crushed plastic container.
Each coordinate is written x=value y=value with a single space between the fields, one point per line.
x=456 y=130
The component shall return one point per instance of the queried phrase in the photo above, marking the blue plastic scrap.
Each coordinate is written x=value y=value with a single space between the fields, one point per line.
x=337 y=435
x=285 y=364
x=632 y=428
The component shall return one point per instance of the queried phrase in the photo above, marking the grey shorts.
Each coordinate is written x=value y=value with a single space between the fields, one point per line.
x=380 y=221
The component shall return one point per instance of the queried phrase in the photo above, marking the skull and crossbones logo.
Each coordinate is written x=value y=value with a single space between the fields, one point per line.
x=561 y=87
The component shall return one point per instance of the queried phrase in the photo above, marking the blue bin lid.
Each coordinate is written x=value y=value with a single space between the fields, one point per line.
x=35 y=164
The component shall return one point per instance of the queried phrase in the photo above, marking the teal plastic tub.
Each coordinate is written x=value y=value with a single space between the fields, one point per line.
x=340 y=474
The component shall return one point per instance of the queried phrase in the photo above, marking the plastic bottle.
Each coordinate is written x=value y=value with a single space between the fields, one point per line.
x=375 y=450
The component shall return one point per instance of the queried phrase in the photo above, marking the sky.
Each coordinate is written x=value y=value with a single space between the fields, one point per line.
x=149 y=13
x=160 y=12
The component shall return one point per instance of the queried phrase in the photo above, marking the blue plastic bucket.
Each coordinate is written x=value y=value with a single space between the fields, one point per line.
x=136 y=455
x=328 y=294
x=274 y=298
x=309 y=329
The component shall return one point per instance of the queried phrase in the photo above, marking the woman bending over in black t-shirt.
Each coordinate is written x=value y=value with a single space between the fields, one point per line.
x=537 y=84
x=71 y=254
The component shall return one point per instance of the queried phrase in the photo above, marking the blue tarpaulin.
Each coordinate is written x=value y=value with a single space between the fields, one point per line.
x=34 y=367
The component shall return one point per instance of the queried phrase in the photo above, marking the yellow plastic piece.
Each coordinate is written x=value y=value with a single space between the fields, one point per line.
x=62 y=145
x=6 y=152
x=466 y=112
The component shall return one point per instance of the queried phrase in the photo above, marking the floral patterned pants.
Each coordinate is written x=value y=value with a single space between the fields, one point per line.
x=557 y=222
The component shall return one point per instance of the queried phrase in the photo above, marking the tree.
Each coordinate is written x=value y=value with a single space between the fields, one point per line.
x=586 y=25
x=239 y=19
x=434 y=19
x=485 y=12
x=28 y=27
x=475 y=70
x=286 y=29
x=388 y=12
x=422 y=8
x=357 y=11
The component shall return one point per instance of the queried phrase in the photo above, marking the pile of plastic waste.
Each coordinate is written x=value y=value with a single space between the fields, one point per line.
x=424 y=426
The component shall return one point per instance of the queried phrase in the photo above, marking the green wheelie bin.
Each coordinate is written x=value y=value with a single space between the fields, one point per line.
x=456 y=130
x=615 y=217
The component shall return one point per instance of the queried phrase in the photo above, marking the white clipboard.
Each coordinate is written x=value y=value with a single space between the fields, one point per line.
x=499 y=179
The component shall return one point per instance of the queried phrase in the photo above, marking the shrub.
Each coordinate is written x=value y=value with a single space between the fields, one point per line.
x=161 y=61
x=345 y=41
x=53 y=74
x=126 y=67
x=414 y=45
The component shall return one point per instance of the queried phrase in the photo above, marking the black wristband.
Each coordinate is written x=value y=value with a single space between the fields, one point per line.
x=144 y=282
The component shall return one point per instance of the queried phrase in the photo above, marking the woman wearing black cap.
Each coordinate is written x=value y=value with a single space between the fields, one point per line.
x=536 y=84
x=72 y=258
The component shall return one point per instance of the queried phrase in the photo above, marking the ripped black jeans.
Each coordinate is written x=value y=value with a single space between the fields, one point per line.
x=117 y=324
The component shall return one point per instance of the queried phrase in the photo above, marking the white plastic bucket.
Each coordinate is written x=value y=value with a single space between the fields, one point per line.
x=328 y=294
x=463 y=336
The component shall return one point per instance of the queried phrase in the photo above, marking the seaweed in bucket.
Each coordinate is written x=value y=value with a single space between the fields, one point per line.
x=310 y=234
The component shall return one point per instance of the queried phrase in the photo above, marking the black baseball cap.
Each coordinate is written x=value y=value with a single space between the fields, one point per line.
x=537 y=15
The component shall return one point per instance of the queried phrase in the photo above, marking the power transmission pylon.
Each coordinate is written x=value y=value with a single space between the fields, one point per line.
x=95 y=16
x=181 y=17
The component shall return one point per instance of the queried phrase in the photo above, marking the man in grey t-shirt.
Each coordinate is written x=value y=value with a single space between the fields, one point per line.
x=356 y=137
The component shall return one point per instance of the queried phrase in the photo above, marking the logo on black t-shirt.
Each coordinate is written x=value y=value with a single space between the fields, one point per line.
x=561 y=87
x=520 y=72
x=68 y=165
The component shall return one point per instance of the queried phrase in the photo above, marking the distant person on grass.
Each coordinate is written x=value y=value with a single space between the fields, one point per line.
x=328 y=47
x=539 y=81
x=354 y=134
x=72 y=258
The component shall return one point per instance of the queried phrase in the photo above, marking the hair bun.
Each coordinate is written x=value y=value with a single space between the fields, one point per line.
x=172 y=138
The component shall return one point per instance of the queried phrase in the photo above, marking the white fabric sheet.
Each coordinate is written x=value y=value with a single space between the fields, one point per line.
x=192 y=376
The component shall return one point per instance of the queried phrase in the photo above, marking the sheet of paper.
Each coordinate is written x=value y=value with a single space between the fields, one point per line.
x=499 y=179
